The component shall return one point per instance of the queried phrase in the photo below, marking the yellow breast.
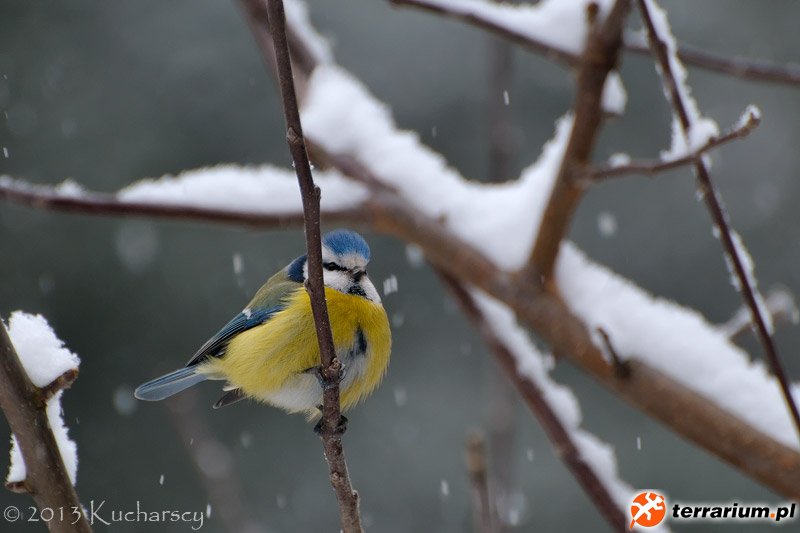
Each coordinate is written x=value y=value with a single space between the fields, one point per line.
x=269 y=360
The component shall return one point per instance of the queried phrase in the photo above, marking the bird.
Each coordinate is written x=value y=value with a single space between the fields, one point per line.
x=269 y=351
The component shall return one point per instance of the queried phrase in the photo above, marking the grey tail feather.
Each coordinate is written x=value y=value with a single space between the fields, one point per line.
x=230 y=397
x=169 y=384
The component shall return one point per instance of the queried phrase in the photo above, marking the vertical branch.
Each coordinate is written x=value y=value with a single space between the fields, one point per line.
x=24 y=406
x=711 y=198
x=330 y=365
x=502 y=149
x=559 y=436
x=479 y=480
x=221 y=485
x=603 y=42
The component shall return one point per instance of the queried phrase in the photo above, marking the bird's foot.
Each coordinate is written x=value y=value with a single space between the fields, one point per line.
x=324 y=382
x=341 y=426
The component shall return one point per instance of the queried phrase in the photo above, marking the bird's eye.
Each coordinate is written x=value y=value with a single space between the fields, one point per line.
x=333 y=266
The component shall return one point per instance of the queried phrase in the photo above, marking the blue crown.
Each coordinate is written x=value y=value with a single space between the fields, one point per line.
x=344 y=241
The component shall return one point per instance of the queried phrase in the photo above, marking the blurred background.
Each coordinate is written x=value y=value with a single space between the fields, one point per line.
x=110 y=92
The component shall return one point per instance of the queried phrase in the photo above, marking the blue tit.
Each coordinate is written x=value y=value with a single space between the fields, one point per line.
x=269 y=351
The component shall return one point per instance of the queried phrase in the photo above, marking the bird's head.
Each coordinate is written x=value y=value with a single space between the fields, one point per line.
x=345 y=255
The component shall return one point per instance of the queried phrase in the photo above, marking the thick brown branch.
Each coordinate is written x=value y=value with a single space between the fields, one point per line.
x=46 y=477
x=599 y=58
x=740 y=131
x=559 y=436
x=683 y=410
x=711 y=198
x=330 y=365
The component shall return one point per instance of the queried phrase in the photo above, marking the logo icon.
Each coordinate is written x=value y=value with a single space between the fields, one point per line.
x=648 y=509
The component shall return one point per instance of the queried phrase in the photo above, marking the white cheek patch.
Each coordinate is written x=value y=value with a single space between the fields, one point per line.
x=370 y=290
x=336 y=279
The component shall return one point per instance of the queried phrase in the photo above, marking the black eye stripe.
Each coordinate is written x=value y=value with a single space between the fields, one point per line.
x=333 y=266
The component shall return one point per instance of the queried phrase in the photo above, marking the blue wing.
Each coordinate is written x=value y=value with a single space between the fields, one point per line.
x=215 y=346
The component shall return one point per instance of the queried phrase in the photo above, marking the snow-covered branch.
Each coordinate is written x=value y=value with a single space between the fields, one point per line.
x=747 y=123
x=263 y=197
x=591 y=461
x=691 y=126
x=35 y=368
x=528 y=27
x=480 y=234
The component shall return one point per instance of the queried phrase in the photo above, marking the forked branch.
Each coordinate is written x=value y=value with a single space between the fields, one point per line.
x=24 y=405
x=740 y=131
x=711 y=197
x=559 y=436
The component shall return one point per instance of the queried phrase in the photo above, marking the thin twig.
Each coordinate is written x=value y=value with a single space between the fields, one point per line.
x=540 y=47
x=95 y=203
x=712 y=200
x=738 y=67
x=560 y=438
x=780 y=304
x=331 y=368
x=477 y=470
x=599 y=57
x=621 y=367
x=46 y=479
x=740 y=131
x=222 y=487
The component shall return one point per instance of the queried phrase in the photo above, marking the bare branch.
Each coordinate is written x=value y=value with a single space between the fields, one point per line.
x=738 y=67
x=711 y=198
x=479 y=480
x=599 y=58
x=739 y=131
x=331 y=426
x=559 y=436
x=47 y=480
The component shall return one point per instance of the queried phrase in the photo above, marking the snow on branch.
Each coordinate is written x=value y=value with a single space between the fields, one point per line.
x=503 y=22
x=554 y=28
x=590 y=460
x=693 y=127
x=501 y=220
x=675 y=340
x=749 y=120
x=35 y=368
x=47 y=362
x=263 y=196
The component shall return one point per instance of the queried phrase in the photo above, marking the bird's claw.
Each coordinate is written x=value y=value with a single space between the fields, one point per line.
x=341 y=426
x=324 y=382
